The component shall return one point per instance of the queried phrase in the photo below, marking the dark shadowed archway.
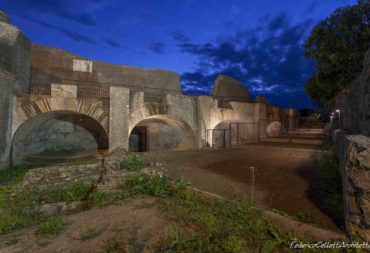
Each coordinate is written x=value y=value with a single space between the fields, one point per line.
x=58 y=133
x=161 y=132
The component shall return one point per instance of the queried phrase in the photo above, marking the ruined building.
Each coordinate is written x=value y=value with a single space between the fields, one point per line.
x=49 y=97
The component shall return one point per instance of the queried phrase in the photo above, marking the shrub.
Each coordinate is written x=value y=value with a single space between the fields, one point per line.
x=53 y=225
x=155 y=184
x=133 y=162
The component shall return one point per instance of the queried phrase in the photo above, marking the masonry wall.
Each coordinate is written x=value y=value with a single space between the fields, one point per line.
x=354 y=164
x=352 y=146
x=6 y=105
x=52 y=65
x=15 y=58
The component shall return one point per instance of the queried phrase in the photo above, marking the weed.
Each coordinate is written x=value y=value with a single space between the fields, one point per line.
x=53 y=225
x=91 y=233
x=74 y=193
x=133 y=162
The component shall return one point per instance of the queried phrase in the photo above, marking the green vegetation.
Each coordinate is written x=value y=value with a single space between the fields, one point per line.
x=338 y=45
x=222 y=226
x=133 y=162
x=53 y=225
x=74 y=193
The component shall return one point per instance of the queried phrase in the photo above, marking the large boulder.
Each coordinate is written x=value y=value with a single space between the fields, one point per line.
x=230 y=89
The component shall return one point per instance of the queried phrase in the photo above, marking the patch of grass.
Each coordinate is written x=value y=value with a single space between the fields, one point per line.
x=133 y=162
x=91 y=233
x=74 y=193
x=14 y=174
x=53 y=225
x=155 y=184
x=19 y=209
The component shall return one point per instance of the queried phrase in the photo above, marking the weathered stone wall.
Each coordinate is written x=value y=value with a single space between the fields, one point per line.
x=6 y=105
x=15 y=55
x=230 y=88
x=52 y=65
x=118 y=118
x=354 y=164
x=15 y=58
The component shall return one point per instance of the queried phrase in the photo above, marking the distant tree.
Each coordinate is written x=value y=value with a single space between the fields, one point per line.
x=338 y=45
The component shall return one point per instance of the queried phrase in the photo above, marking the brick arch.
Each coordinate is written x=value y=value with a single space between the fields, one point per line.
x=30 y=112
x=179 y=137
x=27 y=107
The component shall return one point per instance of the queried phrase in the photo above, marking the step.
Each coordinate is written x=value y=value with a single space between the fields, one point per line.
x=292 y=140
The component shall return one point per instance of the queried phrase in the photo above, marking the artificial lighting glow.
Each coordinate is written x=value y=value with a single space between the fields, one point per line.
x=337 y=110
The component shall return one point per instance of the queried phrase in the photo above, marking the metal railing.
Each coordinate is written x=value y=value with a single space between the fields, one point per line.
x=100 y=90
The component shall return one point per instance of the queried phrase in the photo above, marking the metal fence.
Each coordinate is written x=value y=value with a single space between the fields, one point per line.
x=236 y=133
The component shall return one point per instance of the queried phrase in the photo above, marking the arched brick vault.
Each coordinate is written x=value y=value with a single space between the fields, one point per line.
x=20 y=144
x=174 y=134
x=30 y=112
x=27 y=107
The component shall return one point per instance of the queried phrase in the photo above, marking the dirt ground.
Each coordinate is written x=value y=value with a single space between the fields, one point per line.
x=137 y=224
x=284 y=175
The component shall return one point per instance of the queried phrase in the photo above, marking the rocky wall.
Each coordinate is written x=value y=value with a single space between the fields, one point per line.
x=354 y=164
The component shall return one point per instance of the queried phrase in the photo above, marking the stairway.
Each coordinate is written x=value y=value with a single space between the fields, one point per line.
x=310 y=131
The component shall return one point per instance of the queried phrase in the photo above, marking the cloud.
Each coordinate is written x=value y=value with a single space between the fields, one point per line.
x=270 y=60
x=69 y=33
x=180 y=37
x=157 y=47
x=67 y=9
x=111 y=43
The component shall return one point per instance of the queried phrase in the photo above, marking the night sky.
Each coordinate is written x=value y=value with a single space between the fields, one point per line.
x=256 y=42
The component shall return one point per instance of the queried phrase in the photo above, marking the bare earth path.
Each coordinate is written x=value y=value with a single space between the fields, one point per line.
x=285 y=172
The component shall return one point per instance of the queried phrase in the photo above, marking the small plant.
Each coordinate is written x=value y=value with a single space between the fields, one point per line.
x=53 y=225
x=155 y=183
x=133 y=162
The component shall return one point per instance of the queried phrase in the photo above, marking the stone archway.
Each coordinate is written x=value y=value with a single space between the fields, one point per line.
x=55 y=130
x=161 y=132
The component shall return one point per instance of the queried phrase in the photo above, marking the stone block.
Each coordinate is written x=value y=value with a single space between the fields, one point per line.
x=364 y=159
x=63 y=90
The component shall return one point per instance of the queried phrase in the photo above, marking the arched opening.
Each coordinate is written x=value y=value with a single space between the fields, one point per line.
x=57 y=136
x=161 y=132
x=228 y=133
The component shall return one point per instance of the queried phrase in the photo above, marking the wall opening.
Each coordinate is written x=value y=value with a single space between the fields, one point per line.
x=161 y=132
x=228 y=133
x=59 y=136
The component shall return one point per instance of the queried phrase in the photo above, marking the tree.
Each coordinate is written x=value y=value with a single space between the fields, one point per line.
x=338 y=45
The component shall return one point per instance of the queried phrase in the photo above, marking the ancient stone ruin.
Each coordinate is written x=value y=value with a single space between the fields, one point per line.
x=50 y=96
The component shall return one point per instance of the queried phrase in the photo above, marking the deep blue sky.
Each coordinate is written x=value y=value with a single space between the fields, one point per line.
x=257 y=42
